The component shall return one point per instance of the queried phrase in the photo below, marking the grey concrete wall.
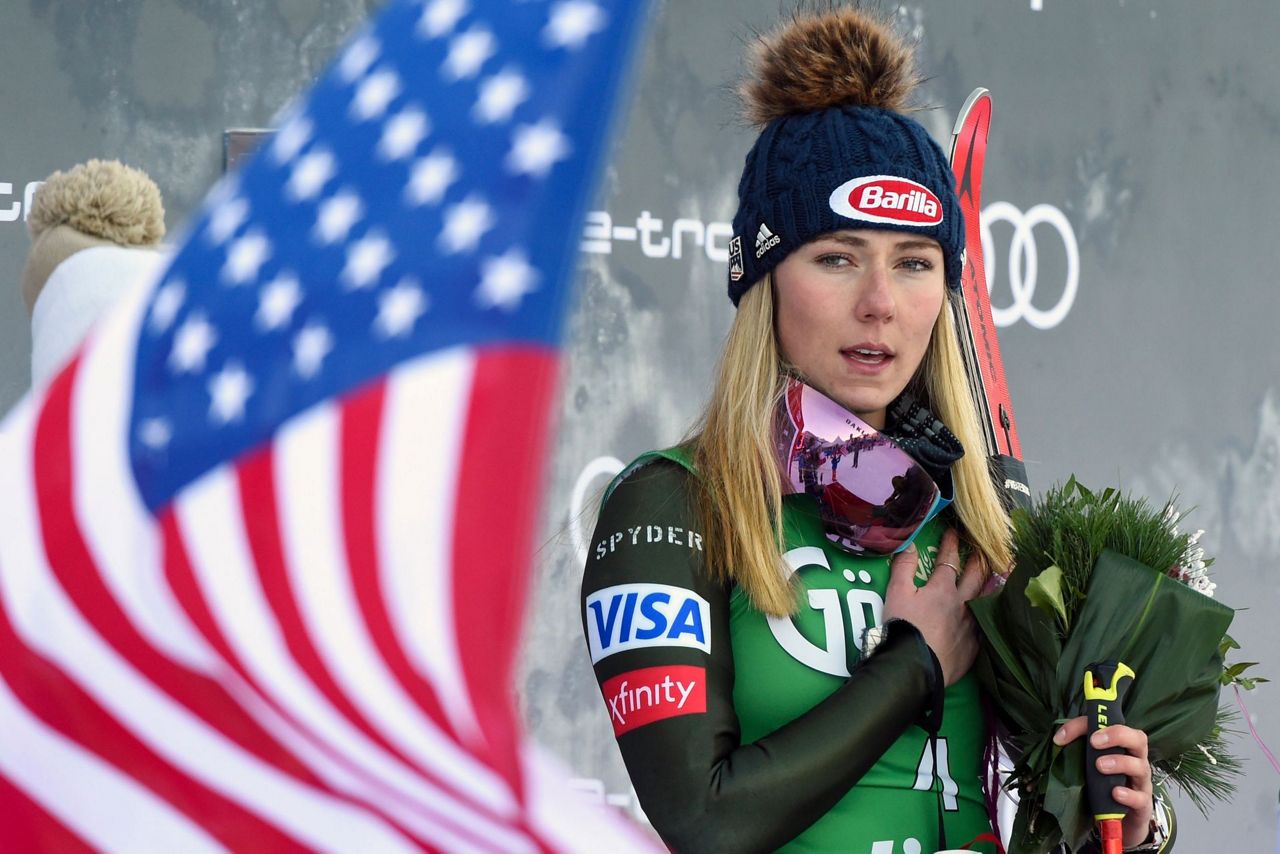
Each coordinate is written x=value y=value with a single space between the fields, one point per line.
x=1148 y=131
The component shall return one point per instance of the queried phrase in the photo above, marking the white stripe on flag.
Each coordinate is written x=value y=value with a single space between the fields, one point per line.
x=423 y=439
x=119 y=530
x=90 y=797
x=209 y=518
x=49 y=623
x=309 y=496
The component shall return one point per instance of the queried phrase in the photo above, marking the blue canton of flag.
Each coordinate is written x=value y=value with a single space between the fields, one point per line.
x=422 y=197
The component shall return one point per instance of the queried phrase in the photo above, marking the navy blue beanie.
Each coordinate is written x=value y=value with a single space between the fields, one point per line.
x=847 y=166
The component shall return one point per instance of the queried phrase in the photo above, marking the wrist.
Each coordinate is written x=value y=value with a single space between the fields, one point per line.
x=895 y=632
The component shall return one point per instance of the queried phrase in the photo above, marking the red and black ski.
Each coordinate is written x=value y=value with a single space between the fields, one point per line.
x=979 y=345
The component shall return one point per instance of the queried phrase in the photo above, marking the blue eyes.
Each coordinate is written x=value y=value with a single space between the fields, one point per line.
x=836 y=261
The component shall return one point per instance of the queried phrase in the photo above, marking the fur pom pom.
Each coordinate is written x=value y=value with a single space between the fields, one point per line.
x=828 y=58
x=103 y=199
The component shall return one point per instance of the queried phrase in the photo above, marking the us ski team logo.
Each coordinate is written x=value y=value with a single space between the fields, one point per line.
x=735 y=259
x=887 y=199
x=765 y=240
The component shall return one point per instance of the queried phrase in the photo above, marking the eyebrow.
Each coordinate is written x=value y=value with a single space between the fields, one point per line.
x=861 y=243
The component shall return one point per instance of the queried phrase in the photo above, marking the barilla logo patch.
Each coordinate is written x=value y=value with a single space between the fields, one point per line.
x=634 y=616
x=640 y=697
x=887 y=199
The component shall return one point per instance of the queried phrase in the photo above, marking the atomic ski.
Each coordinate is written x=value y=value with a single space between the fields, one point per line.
x=979 y=345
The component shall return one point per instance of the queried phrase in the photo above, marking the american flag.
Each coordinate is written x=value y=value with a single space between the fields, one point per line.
x=264 y=542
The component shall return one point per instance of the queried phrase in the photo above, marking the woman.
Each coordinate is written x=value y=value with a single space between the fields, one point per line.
x=772 y=681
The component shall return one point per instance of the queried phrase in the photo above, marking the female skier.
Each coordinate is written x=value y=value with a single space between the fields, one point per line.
x=785 y=661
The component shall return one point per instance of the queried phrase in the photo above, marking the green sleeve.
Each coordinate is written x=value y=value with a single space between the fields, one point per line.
x=658 y=631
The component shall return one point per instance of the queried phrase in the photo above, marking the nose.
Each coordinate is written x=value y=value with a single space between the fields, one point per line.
x=874 y=299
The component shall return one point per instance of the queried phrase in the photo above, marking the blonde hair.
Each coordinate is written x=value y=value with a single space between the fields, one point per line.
x=740 y=500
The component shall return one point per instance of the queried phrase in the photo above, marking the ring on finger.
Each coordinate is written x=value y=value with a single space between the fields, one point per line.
x=949 y=565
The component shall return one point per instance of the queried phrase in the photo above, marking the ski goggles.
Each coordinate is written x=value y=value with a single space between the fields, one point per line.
x=874 y=497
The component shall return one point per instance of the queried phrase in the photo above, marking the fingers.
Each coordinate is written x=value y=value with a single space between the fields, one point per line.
x=1071 y=730
x=946 y=566
x=1132 y=740
x=975 y=576
x=902 y=571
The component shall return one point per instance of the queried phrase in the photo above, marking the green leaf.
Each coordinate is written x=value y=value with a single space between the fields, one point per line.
x=1045 y=592
x=1228 y=644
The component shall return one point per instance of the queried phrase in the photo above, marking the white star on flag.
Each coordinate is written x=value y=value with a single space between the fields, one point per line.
x=499 y=97
x=290 y=139
x=572 y=22
x=440 y=17
x=168 y=300
x=277 y=301
x=310 y=174
x=402 y=133
x=155 y=433
x=468 y=53
x=464 y=224
x=399 y=308
x=245 y=257
x=226 y=218
x=336 y=216
x=374 y=94
x=430 y=178
x=505 y=280
x=536 y=148
x=358 y=57
x=366 y=259
x=229 y=389
x=310 y=347
x=191 y=345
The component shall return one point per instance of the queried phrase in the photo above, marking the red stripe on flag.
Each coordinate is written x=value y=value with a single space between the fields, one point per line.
x=183 y=581
x=78 y=574
x=77 y=715
x=360 y=431
x=362 y=416
x=257 y=489
x=28 y=827
x=499 y=484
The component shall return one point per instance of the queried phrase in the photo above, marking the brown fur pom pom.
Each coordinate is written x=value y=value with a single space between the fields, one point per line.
x=828 y=58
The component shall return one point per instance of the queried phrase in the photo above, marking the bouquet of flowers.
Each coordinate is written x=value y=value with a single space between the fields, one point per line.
x=1105 y=576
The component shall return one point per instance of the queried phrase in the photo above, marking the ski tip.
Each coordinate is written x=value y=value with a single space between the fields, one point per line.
x=974 y=97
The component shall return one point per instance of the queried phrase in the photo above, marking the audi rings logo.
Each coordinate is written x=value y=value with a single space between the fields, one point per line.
x=1024 y=262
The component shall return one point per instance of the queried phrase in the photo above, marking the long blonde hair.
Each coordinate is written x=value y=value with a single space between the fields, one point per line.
x=740 y=501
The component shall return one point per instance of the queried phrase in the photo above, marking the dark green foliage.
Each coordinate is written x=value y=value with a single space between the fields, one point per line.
x=1091 y=582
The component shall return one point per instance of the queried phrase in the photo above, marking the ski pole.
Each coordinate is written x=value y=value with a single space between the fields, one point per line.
x=1105 y=686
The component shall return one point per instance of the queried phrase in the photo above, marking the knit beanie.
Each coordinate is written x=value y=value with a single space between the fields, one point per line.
x=836 y=151
x=95 y=234
x=98 y=203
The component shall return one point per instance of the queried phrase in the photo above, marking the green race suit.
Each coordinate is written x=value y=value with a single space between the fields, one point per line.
x=746 y=733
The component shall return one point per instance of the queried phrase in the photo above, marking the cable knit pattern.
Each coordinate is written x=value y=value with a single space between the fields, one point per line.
x=799 y=160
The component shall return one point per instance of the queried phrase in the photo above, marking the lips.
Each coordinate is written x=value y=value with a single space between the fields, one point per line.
x=869 y=354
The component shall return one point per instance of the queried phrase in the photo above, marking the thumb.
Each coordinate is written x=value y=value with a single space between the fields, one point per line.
x=902 y=570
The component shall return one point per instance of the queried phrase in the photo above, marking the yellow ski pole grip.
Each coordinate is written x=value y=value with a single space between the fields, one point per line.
x=1105 y=685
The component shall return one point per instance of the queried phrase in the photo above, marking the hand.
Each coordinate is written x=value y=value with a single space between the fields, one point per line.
x=1137 y=795
x=937 y=609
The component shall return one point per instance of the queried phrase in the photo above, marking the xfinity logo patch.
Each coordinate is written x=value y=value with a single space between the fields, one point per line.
x=887 y=199
x=635 y=616
x=640 y=697
x=765 y=240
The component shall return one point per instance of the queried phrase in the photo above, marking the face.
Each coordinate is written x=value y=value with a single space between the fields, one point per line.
x=854 y=312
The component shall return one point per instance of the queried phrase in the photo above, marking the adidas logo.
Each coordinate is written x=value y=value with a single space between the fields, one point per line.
x=765 y=240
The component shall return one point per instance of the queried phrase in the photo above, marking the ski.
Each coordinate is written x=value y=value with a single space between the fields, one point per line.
x=980 y=346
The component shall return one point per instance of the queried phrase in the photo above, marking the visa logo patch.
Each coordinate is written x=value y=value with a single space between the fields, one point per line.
x=632 y=616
